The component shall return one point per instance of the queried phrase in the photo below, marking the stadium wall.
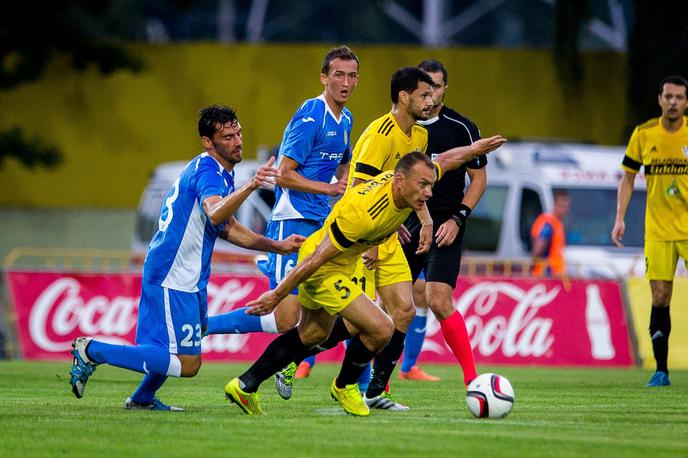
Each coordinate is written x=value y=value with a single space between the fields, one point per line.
x=113 y=130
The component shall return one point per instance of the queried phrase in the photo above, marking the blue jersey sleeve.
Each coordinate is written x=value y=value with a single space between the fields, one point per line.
x=301 y=132
x=209 y=182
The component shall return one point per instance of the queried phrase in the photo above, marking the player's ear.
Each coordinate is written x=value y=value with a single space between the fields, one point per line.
x=207 y=143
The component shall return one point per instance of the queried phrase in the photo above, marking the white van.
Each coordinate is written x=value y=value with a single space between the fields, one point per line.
x=521 y=181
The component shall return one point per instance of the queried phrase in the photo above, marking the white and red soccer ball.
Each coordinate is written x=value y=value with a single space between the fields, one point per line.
x=490 y=396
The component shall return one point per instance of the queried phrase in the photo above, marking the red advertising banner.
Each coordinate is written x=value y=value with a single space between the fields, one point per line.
x=510 y=321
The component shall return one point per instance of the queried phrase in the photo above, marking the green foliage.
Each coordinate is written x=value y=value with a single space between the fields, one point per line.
x=558 y=413
x=31 y=34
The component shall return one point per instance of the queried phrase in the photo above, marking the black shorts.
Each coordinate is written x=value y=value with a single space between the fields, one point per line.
x=440 y=264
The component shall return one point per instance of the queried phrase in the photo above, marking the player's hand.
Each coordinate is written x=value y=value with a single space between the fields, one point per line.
x=487 y=145
x=337 y=189
x=370 y=258
x=265 y=175
x=404 y=234
x=290 y=245
x=425 y=240
x=618 y=233
x=265 y=304
x=447 y=232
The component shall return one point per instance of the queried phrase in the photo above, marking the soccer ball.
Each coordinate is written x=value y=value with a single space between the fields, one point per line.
x=490 y=396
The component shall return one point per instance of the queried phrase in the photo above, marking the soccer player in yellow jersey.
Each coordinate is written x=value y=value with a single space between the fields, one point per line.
x=660 y=146
x=367 y=215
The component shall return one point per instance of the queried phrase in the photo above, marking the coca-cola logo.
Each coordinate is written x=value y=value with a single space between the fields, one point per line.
x=61 y=312
x=503 y=317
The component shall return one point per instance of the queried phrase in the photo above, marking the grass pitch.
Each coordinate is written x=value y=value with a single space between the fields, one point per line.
x=558 y=412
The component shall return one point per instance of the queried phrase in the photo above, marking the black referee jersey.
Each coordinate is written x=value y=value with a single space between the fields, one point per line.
x=448 y=130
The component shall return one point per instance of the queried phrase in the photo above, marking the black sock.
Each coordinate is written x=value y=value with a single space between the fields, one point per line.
x=281 y=351
x=338 y=334
x=660 y=328
x=356 y=359
x=384 y=364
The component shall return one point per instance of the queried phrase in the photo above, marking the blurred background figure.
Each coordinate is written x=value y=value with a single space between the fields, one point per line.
x=549 y=238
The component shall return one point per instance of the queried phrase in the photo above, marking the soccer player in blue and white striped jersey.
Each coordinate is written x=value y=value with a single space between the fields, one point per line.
x=172 y=316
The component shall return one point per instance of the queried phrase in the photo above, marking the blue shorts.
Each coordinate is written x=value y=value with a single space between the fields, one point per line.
x=172 y=319
x=277 y=266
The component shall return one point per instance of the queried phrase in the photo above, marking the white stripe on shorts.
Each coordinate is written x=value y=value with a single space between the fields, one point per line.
x=169 y=323
x=278 y=258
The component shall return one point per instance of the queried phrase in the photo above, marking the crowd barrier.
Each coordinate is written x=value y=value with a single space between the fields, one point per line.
x=510 y=320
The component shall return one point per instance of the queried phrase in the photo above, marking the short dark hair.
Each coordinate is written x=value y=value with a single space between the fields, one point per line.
x=340 y=52
x=434 y=66
x=209 y=118
x=673 y=79
x=406 y=79
x=409 y=160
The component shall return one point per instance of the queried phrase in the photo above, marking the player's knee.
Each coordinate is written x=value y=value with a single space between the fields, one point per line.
x=403 y=314
x=441 y=306
x=661 y=297
x=191 y=366
x=382 y=334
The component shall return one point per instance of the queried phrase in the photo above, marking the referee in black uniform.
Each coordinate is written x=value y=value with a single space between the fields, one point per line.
x=450 y=209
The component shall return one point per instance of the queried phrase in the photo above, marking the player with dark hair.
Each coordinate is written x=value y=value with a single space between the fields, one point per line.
x=660 y=146
x=367 y=215
x=450 y=209
x=197 y=210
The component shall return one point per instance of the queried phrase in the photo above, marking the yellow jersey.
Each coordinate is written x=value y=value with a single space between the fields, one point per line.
x=365 y=216
x=381 y=145
x=664 y=156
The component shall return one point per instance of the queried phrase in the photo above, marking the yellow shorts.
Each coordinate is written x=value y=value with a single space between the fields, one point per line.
x=661 y=258
x=392 y=266
x=333 y=287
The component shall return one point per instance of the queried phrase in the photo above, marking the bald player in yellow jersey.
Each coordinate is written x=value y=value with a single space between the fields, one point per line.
x=660 y=145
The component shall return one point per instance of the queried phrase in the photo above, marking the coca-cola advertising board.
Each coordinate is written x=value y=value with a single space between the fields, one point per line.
x=510 y=321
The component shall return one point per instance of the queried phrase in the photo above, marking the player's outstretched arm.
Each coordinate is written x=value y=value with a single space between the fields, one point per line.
x=455 y=157
x=267 y=302
x=291 y=179
x=220 y=209
x=238 y=234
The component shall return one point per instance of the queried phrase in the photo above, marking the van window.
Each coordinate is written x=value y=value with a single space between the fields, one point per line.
x=531 y=207
x=592 y=214
x=485 y=223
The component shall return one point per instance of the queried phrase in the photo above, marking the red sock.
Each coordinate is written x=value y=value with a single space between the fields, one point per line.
x=456 y=336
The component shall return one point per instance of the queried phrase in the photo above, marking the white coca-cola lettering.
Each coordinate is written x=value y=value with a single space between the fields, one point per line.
x=521 y=333
x=71 y=313
x=60 y=310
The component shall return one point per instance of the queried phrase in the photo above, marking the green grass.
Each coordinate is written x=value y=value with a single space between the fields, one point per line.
x=558 y=412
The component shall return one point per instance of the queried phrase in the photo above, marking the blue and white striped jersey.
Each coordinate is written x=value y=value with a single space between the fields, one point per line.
x=179 y=254
x=319 y=142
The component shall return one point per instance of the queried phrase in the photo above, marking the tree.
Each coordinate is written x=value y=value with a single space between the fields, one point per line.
x=31 y=34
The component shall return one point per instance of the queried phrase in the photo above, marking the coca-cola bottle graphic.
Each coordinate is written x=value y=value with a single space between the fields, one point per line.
x=597 y=323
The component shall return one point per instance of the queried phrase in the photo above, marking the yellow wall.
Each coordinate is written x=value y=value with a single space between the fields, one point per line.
x=641 y=300
x=114 y=130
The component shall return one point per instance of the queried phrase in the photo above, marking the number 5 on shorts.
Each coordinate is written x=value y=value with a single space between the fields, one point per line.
x=346 y=292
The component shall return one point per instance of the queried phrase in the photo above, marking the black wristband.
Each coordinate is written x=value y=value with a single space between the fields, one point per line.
x=462 y=215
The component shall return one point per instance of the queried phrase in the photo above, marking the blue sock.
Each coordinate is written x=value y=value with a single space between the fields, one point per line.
x=141 y=358
x=235 y=322
x=145 y=393
x=310 y=360
x=413 y=342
